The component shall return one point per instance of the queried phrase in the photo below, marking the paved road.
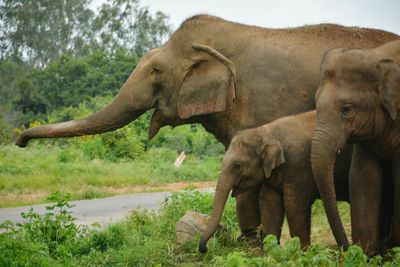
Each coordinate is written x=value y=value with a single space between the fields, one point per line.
x=103 y=210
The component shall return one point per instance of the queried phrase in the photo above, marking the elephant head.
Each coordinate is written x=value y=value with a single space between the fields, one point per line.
x=358 y=100
x=250 y=158
x=181 y=80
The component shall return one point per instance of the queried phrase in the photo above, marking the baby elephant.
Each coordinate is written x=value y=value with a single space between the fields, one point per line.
x=276 y=158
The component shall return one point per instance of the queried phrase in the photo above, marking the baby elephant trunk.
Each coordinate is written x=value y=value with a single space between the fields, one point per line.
x=221 y=195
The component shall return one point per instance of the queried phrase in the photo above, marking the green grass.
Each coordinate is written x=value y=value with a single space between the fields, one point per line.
x=148 y=239
x=30 y=175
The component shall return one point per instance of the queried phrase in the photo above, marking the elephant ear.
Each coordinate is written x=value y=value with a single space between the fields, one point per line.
x=209 y=85
x=272 y=156
x=389 y=88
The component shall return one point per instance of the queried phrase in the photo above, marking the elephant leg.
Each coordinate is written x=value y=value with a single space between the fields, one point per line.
x=386 y=210
x=247 y=212
x=271 y=212
x=298 y=213
x=365 y=186
x=396 y=201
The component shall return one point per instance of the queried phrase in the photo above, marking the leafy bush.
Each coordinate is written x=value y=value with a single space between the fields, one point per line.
x=121 y=144
x=53 y=235
x=290 y=254
x=192 y=139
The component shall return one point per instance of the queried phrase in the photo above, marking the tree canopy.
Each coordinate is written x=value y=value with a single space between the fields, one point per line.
x=69 y=81
x=39 y=31
x=124 y=24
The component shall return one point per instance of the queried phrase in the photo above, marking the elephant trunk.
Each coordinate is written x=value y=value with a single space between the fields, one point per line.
x=323 y=156
x=221 y=195
x=122 y=110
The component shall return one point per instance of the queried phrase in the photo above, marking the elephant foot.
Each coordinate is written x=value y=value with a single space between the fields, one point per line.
x=251 y=237
x=248 y=234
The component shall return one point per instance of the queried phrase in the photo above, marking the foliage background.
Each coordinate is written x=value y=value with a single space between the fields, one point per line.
x=60 y=60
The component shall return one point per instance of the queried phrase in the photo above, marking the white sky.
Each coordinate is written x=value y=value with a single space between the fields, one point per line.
x=381 y=14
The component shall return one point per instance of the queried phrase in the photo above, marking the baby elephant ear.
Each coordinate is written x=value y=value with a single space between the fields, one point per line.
x=272 y=156
x=389 y=87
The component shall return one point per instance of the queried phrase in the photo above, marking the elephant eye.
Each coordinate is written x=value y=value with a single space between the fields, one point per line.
x=155 y=70
x=346 y=109
x=237 y=167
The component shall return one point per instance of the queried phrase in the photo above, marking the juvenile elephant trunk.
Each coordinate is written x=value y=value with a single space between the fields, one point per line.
x=117 y=114
x=323 y=157
x=221 y=195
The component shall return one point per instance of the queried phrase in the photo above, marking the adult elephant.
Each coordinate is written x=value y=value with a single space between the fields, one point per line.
x=224 y=75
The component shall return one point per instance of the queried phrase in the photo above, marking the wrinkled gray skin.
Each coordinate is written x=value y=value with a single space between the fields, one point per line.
x=226 y=76
x=276 y=158
x=358 y=101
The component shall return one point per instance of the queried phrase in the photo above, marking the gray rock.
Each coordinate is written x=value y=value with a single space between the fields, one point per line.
x=190 y=225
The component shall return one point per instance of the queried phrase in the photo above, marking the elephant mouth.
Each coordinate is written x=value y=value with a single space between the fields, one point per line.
x=156 y=123
x=235 y=191
x=158 y=120
x=353 y=139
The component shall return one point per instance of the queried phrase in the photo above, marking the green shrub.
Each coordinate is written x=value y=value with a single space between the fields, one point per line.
x=355 y=256
x=193 y=139
x=290 y=254
x=69 y=154
x=51 y=236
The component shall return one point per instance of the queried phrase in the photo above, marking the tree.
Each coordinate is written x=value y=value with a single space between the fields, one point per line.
x=124 y=24
x=42 y=30
x=39 y=31
x=6 y=133
x=69 y=81
x=10 y=72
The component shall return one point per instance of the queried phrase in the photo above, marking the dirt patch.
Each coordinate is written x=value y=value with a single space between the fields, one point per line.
x=23 y=197
x=172 y=187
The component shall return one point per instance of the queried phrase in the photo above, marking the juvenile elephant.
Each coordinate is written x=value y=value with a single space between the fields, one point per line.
x=276 y=158
x=358 y=102
x=226 y=76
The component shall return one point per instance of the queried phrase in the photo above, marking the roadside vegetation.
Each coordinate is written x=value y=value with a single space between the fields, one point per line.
x=148 y=239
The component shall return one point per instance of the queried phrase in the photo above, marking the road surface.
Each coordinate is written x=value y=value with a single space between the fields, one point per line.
x=103 y=210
